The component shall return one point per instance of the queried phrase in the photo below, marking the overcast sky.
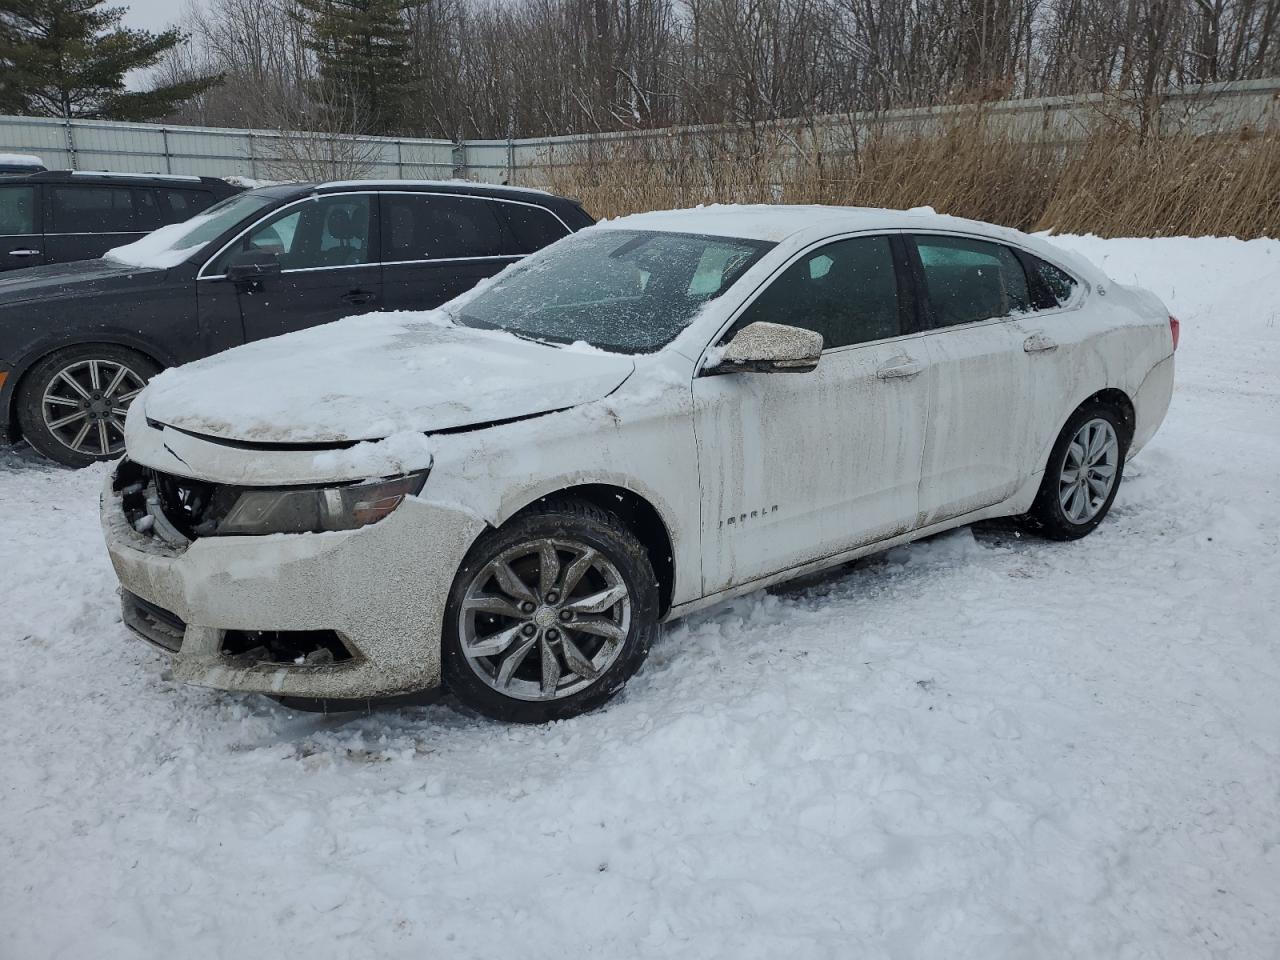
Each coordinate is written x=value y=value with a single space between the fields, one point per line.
x=153 y=15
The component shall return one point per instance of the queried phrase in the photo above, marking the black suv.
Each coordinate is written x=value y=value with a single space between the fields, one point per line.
x=67 y=215
x=78 y=341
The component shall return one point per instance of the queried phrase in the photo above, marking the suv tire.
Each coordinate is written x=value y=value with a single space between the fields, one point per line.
x=70 y=404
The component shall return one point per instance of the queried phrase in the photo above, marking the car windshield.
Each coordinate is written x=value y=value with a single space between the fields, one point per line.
x=625 y=291
x=170 y=245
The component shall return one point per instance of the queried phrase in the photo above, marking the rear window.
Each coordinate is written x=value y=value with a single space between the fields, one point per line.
x=91 y=209
x=532 y=227
x=970 y=280
x=435 y=227
x=17 y=210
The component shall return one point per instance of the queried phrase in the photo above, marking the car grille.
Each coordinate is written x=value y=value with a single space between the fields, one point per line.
x=153 y=623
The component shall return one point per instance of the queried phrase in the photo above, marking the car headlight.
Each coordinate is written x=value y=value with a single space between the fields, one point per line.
x=316 y=509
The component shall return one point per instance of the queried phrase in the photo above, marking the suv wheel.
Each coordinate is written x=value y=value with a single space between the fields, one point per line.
x=550 y=615
x=72 y=404
x=1083 y=475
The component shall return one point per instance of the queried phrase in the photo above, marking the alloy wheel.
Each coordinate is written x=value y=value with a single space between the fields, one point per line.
x=84 y=405
x=544 y=619
x=1089 y=470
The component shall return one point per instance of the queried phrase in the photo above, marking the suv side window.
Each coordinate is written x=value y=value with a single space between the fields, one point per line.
x=847 y=291
x=329 y=231
x=178 y=205
x=969 y=280
x=91 y=209
x=531 y=227
x=420 y=226
x=17 y=210
x=1050 y=287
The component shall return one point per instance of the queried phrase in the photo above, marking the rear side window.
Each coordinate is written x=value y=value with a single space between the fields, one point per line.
x=17 y=210
x=433 y=227
x=92 y=209
x=179 y=205
x=147 y=209
x=1050 y=287
x=531 y=227
x=847 y=291
x=971 y=280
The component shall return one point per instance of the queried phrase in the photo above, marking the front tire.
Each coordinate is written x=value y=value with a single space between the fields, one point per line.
x=72 y=404
x=1083 y=475
x=550 y=615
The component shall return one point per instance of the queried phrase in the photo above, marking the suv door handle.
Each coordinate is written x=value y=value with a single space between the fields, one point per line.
x=24 y=253
x=1039 y=343
x=358 y=296
x=900 y=368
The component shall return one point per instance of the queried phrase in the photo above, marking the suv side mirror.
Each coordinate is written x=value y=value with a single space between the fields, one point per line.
x=252 y=264
x=770 y=348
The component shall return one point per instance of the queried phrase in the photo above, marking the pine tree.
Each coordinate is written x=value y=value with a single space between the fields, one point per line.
x=362 y=50
x=68 y=58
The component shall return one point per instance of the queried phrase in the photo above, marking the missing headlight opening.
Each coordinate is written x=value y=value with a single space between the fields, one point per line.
x=179 y=510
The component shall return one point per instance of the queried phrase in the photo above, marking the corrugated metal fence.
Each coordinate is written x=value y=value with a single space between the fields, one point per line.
x=268 y=154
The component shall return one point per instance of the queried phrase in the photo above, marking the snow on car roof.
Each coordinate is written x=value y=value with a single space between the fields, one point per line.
x=21 y=159
x=124 y=175
x=778 y=222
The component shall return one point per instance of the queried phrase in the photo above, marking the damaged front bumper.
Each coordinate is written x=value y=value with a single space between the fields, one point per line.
x=345 y=615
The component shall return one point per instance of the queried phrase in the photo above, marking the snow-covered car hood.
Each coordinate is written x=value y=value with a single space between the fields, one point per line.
x=365 y=378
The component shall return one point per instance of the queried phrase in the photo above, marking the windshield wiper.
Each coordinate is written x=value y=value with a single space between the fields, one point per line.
x=477 y=324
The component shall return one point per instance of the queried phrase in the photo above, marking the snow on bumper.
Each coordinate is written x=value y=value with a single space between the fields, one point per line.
x=381 y=588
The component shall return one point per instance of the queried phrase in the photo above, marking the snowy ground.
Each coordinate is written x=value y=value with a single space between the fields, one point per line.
x=976 y=747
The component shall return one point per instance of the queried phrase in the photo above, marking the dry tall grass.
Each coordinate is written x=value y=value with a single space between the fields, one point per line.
x=1112 y=182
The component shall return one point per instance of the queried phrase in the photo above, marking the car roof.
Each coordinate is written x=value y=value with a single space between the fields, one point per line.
x=780 y=222
x=106 y=176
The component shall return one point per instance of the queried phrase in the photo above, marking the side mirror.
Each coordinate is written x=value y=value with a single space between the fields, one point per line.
x=770 y=348
x=252 y=264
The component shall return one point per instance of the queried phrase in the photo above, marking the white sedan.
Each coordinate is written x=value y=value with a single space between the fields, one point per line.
x=507 y=497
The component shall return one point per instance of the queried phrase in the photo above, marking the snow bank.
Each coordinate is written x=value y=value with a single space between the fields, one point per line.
x=982 y=747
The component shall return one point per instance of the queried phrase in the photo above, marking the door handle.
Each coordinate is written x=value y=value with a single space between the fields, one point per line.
x=1039 y=343
x=358 y=296
x=900 y=368
x=24 y=253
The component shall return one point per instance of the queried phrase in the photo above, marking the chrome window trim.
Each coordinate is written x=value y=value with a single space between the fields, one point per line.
x=418 y=263
x=201 y=275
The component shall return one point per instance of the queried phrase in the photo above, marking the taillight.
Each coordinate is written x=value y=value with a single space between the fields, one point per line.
x=1174 y=328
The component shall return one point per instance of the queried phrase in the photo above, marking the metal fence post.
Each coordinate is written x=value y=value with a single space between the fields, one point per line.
x=460 y=160
x=168 y=160
x=253 y=161
x=71 y=144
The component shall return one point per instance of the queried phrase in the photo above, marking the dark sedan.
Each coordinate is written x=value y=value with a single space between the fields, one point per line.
x=79 y=340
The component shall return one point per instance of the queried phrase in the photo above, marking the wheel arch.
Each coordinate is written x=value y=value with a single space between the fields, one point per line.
x=1121 y=401
x=637 y=512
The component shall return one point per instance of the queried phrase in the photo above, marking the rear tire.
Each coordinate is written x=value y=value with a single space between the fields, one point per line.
x=549 y=615
x=71 y=405
x=1083 y=475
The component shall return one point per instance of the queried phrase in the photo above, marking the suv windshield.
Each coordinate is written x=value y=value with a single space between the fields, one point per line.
x=170 y=245
x=626 y=291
